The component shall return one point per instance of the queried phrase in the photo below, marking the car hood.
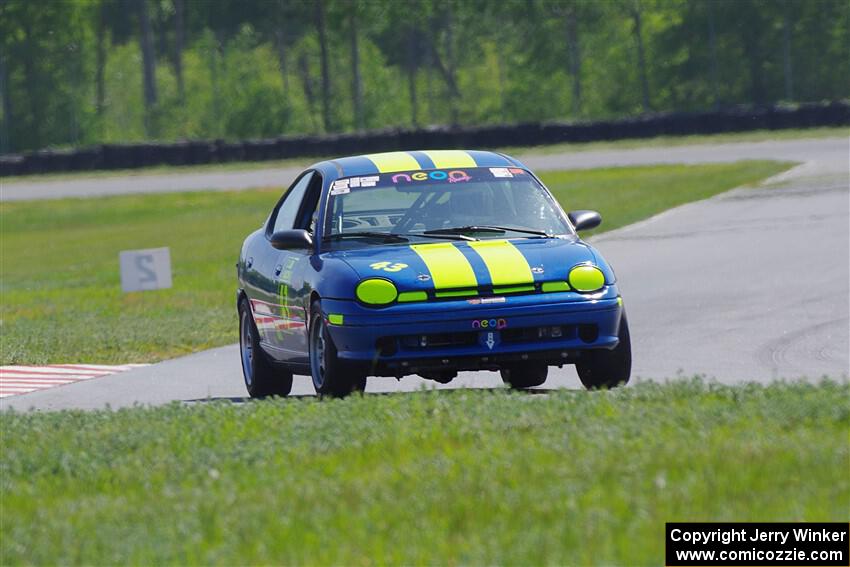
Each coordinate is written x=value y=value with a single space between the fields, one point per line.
x=462 y=265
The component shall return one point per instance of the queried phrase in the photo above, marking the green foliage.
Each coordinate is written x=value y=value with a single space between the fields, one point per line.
x=68 y=305
x=253 y=69
x=123 y=114
x=43 y=70
x=443 y=477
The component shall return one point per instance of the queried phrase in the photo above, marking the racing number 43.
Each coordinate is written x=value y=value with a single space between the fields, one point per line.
x=388 y=266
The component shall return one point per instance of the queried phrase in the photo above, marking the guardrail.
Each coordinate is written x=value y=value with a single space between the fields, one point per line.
x=130 y=156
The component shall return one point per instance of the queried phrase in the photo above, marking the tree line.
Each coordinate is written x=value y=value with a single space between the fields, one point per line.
x=80 y=72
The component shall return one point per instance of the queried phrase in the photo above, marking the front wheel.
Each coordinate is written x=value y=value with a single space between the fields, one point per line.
x=603 y=369
x=331 y=376
x=261 y=377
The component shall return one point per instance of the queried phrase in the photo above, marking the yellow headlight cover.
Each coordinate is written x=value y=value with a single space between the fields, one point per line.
x=376 y=291
x=586 y=278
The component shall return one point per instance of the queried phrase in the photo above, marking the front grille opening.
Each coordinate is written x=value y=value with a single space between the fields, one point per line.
x=588 y=333
x=530 y=334
x=484 y=292
x=452 y=294
x=386 y=346
x=435 y=340
x=521 y=335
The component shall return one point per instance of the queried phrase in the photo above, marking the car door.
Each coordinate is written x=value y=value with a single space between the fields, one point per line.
x=285 y=287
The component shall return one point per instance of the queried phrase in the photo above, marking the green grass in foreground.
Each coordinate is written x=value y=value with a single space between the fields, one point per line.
x=660 y=141
x=441 y=477
x=61 y=296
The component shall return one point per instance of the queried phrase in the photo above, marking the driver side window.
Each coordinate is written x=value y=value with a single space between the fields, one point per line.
x=288 y=210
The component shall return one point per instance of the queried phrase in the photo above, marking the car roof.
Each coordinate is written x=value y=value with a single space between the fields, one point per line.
x=389 y=162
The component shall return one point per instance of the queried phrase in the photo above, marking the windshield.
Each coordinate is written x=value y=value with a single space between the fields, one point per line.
x=461 y=204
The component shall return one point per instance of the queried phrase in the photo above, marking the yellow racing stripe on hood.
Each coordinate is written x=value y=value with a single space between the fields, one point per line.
x=448 y=266
x=394 y=161
x=506 y=264
x=447 y=159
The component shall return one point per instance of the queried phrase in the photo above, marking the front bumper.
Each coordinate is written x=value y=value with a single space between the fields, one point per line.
x=460 y=334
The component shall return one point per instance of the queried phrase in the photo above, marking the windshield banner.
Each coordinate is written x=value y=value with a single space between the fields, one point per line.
x=415 y=179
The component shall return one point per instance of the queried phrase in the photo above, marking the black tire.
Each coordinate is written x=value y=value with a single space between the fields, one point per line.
x=524 y=375
x=331 y=376
x=604 y=369
x=262 y=377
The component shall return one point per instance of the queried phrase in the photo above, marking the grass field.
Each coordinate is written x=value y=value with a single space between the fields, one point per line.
x=660 y=141
x=61 y=297
x=441 y=477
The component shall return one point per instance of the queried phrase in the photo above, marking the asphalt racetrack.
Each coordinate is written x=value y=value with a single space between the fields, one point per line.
x=808 y=151
x=751 y=285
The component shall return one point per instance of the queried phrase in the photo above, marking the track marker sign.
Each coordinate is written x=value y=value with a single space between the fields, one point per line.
x=143 y=270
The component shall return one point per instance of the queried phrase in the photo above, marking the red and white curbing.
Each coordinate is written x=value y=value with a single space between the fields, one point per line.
x=16 y=380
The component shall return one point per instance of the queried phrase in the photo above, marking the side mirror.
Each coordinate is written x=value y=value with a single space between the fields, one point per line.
x=292 y=240
x=585 y=220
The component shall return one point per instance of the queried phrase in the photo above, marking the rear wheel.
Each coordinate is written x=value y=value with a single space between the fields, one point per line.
x=331 y=376
x=262 y=378
x=528 y=375
x=603 y=369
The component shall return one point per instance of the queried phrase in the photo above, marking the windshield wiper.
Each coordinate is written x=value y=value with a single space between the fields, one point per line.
x=484 y=228
x=367 y=234
x=432 y=234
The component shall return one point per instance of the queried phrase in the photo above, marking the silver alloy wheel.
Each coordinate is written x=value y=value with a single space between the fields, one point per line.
x=246 y=346
x=317 y=352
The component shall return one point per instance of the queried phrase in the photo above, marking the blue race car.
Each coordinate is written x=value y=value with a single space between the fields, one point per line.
x=425 y=263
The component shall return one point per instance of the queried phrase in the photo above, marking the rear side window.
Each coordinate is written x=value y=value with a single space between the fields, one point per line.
x=287 y=211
